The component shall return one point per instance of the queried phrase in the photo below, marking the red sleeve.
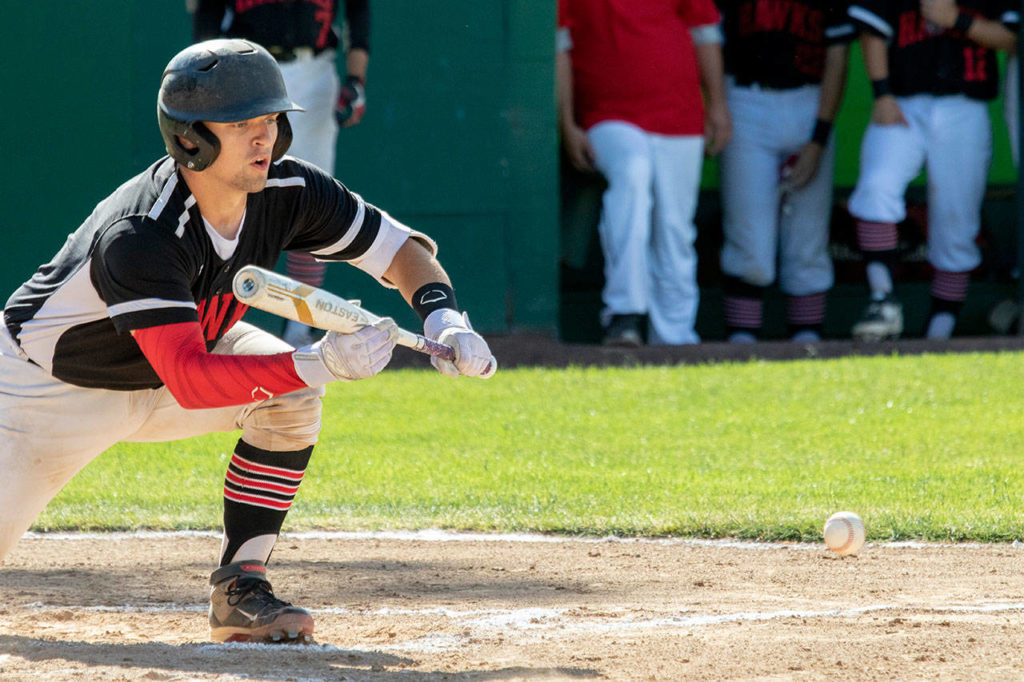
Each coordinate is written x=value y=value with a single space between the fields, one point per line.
x=564 y=18
x=699 y=12
x=199 y=379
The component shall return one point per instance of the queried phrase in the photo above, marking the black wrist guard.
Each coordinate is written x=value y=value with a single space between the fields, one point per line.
x=963 y=23
x=880 y=87
x=822 y=129
x=431 y=297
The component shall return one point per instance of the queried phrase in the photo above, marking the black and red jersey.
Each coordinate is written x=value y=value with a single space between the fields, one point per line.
x=781 y=44
x=283 y=24
x=926 y=59
x=145 y=257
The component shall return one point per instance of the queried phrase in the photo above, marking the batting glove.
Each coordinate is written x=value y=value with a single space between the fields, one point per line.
x=351 y=102
x=472 y=355
x=347 y=357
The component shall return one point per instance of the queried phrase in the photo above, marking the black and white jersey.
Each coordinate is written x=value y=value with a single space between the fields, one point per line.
x=146 y=257
x=926 y=59
x=283 y=23
x=780 y=44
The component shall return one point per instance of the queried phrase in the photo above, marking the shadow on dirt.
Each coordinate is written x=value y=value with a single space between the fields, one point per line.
x=262 y=661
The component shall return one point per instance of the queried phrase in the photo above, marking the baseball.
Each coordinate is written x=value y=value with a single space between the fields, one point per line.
x=844 y=533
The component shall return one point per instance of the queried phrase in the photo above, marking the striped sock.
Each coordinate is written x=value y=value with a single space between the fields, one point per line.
x=305 y=268
x=259 y=487
x=879 y=242
x=805 y=313
x=742 y=306
x=949 y=291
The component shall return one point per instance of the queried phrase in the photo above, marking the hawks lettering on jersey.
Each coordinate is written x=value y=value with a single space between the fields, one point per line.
x=927 y=59
x=781 y=44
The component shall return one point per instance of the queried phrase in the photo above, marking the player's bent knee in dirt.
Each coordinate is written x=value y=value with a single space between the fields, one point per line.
x=285 y=422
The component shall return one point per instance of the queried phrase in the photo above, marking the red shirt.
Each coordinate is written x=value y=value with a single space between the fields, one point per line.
x=634 y=61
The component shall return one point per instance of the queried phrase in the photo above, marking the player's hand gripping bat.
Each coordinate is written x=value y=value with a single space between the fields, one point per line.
x=275 y=293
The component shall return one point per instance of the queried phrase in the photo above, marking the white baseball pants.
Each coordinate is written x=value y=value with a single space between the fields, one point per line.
x=762 y=226
x=951 y=137
x=646 y=227
x=313 y=84
x=50 y=430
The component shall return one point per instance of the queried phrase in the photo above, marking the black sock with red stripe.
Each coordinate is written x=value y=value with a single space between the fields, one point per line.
x=258 y=491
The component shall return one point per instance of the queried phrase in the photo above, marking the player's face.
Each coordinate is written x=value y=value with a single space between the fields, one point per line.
x=245 y=150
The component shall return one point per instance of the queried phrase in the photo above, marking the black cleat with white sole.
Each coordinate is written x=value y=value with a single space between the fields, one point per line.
x=243 y=608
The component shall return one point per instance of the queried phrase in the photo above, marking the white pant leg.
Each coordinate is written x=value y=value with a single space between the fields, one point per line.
x=623 y=155
x=749 y=173
x=805 y=265
x=890 y=157
x=674 y=295
x=314 y=85
x=959 y=154
x=49 y=431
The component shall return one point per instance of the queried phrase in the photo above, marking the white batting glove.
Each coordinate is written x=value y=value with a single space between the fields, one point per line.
x=347 y=357
x=472 y=355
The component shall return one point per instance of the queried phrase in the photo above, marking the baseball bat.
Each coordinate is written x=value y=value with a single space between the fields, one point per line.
x=283 y=296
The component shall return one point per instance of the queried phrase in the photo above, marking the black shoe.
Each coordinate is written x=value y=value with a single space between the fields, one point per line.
x=243 y=608
x=624 y=332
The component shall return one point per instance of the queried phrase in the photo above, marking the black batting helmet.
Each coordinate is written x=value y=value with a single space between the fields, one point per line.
x=222 y=81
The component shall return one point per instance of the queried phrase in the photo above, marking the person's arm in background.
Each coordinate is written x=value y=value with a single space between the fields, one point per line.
x=206 y=18
x=985 y=32
x=830 y=98
x=886 y=110
x=352 y=99
x=707 y=41
x=574 y=138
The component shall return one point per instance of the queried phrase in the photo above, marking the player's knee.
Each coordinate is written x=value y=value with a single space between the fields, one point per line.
x=285 y=422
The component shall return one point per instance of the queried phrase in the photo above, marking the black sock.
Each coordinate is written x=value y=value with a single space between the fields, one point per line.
x=258 y=491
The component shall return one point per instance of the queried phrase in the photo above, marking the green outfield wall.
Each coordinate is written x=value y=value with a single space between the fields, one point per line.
x=459 y=140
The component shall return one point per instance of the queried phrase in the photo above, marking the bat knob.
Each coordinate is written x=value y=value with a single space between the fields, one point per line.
x=248 y=284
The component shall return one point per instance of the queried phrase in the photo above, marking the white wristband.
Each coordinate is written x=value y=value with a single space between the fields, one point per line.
x=311 y=368
x=442 y=319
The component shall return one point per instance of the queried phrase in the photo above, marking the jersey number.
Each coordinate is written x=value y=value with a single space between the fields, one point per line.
x=974 y=64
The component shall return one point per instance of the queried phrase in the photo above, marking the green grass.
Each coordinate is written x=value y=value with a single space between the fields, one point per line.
x=925 y=447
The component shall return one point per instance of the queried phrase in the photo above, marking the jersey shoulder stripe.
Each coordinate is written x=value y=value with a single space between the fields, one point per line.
x=871 y=20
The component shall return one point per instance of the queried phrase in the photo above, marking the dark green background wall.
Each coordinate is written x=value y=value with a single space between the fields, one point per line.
x=459 y=139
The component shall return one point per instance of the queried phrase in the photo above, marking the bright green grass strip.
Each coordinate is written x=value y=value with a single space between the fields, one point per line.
x=922 y=447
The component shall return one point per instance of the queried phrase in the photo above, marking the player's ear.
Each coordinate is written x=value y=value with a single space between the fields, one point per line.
x=186 y=144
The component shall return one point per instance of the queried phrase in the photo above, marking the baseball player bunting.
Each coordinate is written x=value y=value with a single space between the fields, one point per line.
x=132 y=332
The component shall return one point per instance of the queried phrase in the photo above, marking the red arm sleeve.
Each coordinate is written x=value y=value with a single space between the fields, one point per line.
x=199 y=379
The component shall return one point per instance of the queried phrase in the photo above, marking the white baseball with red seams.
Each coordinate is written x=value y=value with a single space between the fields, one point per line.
x=844 y=533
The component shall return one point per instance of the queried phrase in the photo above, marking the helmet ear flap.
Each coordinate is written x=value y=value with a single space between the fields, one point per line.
x=207 y=146
x=284 y=137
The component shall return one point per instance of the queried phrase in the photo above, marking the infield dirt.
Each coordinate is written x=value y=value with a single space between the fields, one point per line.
x=132 y=607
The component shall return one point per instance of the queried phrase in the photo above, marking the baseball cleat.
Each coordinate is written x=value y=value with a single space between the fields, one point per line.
x=624 y=332
x=243 y=608
x=882 y=320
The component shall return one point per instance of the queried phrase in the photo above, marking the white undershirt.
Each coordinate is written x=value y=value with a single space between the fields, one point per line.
x=225 y=248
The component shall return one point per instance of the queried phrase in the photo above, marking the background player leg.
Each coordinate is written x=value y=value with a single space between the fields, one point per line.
x=674 y=295
x=958 y=164
x=891 y=156
x=623 y=156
